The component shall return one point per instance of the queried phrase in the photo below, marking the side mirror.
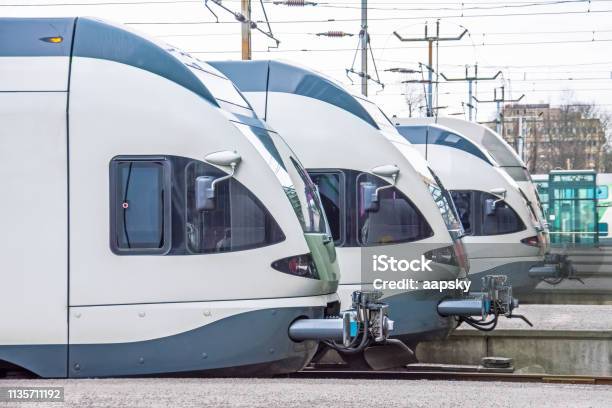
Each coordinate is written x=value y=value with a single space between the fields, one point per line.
x=499 y=192
x=387 y=170
x=368 y=194
x=204 y=193
x=490 y=206
x=224 y=158
x=205 y=185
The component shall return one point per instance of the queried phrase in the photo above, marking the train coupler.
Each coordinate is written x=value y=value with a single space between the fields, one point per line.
x=364 y=324
x=554 y=269
x=495 y=300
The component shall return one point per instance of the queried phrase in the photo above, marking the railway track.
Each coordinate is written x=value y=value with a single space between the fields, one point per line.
x=406 y=374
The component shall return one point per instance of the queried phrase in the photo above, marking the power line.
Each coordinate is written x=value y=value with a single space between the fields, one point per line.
x=541 y=32
x=330 y=20
x=454 y=84
x=464 y=8
x=101 y=3
x=402 y=48
x=339 y=5
x=457 y=2
x=506 y=66
x=446 y=3
x=388 y=34
x=517 y=90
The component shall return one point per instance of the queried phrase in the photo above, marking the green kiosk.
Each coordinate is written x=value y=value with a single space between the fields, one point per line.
x=572 y=207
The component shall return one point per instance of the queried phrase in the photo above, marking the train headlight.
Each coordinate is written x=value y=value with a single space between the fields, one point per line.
x=532 y=241
x=299 y=265
x=445 y=255
x=52 y=40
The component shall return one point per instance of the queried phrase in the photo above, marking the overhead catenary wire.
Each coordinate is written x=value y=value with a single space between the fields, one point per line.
x=406 y=47
x=521 y=74
x=388 y=94
x=463 y=6
x=454 y=83
x=390 y=18
x=387 y=34
x=100 y=3
x=507 y=66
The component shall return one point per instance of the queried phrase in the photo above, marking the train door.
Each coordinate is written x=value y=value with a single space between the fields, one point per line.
x=33 y=215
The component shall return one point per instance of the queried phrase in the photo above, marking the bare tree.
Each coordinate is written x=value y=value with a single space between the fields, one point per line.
x=606 y=150
x=576 y=136
x=414 y=98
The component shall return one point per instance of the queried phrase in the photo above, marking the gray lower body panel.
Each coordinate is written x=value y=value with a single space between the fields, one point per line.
x=416 y=318
x=48 y=360
x=252 y=343
x=517 y=273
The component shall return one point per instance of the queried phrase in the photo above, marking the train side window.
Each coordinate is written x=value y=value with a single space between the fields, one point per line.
x=331 y=191
x=140 y=205
x=396 y=219
x=238 y=221
x=465 y=209
x=503 y=221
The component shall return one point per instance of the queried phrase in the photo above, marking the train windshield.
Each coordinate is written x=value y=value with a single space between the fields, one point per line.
x=299 y=188
x=382 y=121
x=518 y=173
x=223 y=90
x=500 y=150
x=445 y=204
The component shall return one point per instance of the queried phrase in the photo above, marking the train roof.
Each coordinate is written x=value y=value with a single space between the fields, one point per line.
x=280 y=76
x=92 y=38
x=482 y=135
x=415 y=133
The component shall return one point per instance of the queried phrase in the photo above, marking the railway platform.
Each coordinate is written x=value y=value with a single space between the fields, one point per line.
x=564 y=340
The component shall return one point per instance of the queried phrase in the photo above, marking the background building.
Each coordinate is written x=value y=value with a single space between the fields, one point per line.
x=548 y=137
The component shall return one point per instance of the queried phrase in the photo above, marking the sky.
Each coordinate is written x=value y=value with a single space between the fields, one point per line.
x=549 y=50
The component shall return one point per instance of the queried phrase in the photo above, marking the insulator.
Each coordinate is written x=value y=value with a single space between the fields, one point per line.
x=295 y=3
x=333 y=33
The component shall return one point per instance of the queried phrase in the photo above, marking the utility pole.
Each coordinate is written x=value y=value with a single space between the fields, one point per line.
x=430 y=40
x=365 y=38
x=522 y=136
x=430 y=70
x=471 y=78
x=362 y=47
x=246 y=24
x=534 y=150
x=498 y=101
x=245 y=9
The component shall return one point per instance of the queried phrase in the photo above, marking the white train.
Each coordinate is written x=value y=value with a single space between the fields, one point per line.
x=351 y=151
x=505 y=157
x=558 y=267
x=503 y=231
x=174 y=231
